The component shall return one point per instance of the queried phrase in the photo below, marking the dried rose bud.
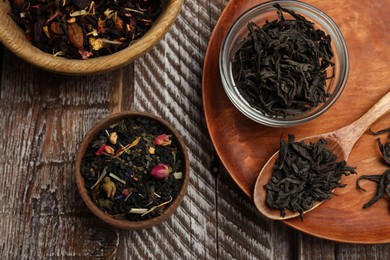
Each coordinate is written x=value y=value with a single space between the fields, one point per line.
x=109 y=187
x=161 y=171
x=125 y=192
x=105 y=149
x=162 y=140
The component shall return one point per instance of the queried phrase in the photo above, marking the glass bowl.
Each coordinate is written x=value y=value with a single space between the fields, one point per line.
x=266 y=12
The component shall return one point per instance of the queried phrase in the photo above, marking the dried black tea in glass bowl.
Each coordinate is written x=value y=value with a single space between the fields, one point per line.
x=283 y=63
x=133 y=168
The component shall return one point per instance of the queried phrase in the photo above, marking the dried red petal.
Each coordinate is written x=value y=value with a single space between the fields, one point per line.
x=85 y=54
x=105 y=149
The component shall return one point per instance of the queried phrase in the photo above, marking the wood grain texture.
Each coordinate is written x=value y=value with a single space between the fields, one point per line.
x=43 y=118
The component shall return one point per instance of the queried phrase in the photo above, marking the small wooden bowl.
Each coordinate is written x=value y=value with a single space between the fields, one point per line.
x=13 y=37
x=127 y=224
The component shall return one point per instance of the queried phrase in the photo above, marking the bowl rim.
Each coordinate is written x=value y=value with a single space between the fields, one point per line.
x=23 y=48
x=127 y=224
x=255 y=114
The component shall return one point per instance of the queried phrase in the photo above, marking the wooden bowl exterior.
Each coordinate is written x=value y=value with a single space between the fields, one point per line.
x=13 y=37
x=125 y=224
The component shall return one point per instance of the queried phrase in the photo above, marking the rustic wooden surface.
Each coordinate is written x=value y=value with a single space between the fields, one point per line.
x=43 y=117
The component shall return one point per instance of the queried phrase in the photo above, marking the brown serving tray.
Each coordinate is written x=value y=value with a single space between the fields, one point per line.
x=244 y=146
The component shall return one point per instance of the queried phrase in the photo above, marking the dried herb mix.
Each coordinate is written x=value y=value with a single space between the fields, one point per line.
x=133 y=169
x=280 y=68
x=81 y=29
x=303 y=174
x=383 y=180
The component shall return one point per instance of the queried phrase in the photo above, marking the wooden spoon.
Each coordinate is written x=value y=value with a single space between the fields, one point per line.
x=340 y=142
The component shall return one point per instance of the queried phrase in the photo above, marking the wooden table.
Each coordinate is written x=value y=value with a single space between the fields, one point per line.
x=43 y=118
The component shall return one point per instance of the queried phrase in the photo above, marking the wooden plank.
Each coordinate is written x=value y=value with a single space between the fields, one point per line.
x=243 y=233
x=310 y=247
x=43 y=118
x=167 y=83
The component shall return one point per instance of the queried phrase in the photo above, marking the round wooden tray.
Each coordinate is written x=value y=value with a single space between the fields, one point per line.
x=244 y=146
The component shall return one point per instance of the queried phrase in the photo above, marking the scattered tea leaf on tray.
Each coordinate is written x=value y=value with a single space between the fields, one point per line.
x=383 y=180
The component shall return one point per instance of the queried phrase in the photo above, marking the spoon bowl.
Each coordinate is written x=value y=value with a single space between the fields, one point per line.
x=340 y=142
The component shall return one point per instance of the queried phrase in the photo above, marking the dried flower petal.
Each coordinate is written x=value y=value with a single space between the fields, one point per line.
x=161 y=171
x=78 y=13
x=113 y=137
x=46 y=31
x=127 y=147
x=105 y=149
x=96 y=43
x=109 y=187
x=162 y=140
x=55 y=27
x=85 y=54
x=152 y=150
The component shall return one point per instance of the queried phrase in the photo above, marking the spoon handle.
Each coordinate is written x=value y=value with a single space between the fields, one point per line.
x=349 y=134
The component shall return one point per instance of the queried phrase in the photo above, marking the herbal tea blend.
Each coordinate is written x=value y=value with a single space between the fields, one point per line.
x=280 y=68
x=81 y=29
x=383 y=180
x=133 y=169
x=304 y=173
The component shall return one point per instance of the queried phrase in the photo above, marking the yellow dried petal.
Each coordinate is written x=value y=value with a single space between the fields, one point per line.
x=113 y=137
x=152 y=150
x=109 y=13
x=58 y=53
x=93 y=33
x=71 y=20
x=127 y=147
x=96 y=43
x=46 y=30
x=78 y=13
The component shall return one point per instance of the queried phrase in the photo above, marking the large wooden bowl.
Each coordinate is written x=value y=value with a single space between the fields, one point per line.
x=126 y=224
x=13 y=37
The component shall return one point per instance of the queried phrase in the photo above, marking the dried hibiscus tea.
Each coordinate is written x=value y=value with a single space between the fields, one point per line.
x=124 y=178
x=81 y=29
